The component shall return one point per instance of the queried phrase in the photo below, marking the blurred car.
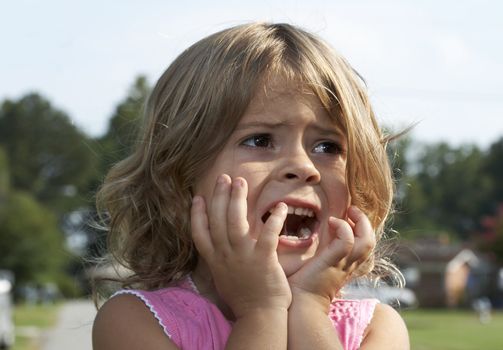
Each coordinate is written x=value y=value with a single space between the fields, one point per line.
x=6 y=307
x=394 y=296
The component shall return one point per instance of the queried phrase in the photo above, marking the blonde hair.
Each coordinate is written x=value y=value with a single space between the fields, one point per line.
x=190 y=114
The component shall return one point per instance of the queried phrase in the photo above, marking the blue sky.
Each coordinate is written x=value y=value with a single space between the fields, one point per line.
x=439 y=63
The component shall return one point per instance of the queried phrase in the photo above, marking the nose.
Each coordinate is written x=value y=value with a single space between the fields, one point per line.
x=298 y=166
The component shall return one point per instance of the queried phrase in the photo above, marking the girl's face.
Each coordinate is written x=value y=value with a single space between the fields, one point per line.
x=288 y=150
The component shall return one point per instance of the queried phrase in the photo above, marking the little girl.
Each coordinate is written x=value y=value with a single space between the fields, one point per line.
x=258 y=188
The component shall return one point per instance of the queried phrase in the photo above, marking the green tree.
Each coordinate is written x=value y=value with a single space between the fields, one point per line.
x=491 y=235
x=32 y=243
x=493 y=167
x=446 y=191
x=4 y=177
x=121 y=135
x=410 y=202
x=48 y=156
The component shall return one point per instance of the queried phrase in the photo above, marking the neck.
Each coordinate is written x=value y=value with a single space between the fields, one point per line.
x=203 y=280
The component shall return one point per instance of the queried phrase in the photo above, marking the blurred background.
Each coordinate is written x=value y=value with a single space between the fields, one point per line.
x=74 y=76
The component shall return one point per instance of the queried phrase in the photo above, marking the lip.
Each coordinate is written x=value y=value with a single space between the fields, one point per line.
x=299 y=244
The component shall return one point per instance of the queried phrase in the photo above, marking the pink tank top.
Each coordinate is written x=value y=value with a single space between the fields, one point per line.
x=193 y=322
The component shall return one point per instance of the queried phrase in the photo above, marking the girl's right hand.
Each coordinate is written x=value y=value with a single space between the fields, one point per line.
x=244 y=266
x=351 y=245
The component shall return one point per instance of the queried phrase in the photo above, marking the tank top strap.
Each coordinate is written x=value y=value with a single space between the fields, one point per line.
x=187 y=318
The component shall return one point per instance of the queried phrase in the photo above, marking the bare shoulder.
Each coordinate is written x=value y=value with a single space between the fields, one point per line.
x=124 y=322
x=387 y=330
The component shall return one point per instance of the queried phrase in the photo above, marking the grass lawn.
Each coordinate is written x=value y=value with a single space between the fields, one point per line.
x=33 y=318
x=453 y=330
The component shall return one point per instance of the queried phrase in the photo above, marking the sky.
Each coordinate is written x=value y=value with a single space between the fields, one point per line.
x=435 y=63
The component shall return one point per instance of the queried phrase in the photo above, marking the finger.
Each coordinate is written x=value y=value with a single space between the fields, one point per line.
x=218 y=212
x=199 y=227
x=365 y=240
x=237 y=222
x=342 y=244
x=361 y=222
x=268 y=239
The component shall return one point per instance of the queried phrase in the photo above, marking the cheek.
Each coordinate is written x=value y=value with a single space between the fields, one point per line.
x=256 y=178
x=339 y=198
x=202 y=187
x=223 y=164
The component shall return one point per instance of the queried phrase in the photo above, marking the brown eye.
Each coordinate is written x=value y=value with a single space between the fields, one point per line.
x=258 y=141
x=328 y=147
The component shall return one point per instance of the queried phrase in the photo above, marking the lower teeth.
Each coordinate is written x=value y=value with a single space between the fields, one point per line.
x=302 y=233
x=291 y=238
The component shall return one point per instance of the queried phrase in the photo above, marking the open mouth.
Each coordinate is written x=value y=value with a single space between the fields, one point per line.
x=300 y=223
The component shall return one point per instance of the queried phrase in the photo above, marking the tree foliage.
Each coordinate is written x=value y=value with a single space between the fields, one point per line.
x=4 y=176
x=493 y=168
x=121 y=135
x=443 y=189
x=32 y=243
x=48 y=156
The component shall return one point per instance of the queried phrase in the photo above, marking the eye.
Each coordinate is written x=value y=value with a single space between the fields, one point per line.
x=258 y=141
x=328 y=147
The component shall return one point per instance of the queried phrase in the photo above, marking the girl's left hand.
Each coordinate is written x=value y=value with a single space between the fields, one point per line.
x=323 y=276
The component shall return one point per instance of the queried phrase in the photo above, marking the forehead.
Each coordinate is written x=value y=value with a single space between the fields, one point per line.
x=285 y=102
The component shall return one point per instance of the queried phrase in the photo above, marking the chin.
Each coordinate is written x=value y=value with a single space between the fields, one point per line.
x=291 y=263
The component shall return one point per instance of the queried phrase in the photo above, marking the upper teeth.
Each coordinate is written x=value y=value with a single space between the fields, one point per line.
x=300 y=211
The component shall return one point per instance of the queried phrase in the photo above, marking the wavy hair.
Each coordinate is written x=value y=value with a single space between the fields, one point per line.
x=189 y=116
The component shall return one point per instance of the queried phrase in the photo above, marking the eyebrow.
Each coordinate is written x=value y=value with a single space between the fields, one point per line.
x=270 y=125
x=274 y=125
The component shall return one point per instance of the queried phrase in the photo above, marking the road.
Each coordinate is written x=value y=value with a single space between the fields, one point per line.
x=73 y=328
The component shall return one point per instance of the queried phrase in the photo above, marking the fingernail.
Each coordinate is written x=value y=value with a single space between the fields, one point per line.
x=222 y=179
x=281 y=206
x=196 y=200
x=238 y=182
